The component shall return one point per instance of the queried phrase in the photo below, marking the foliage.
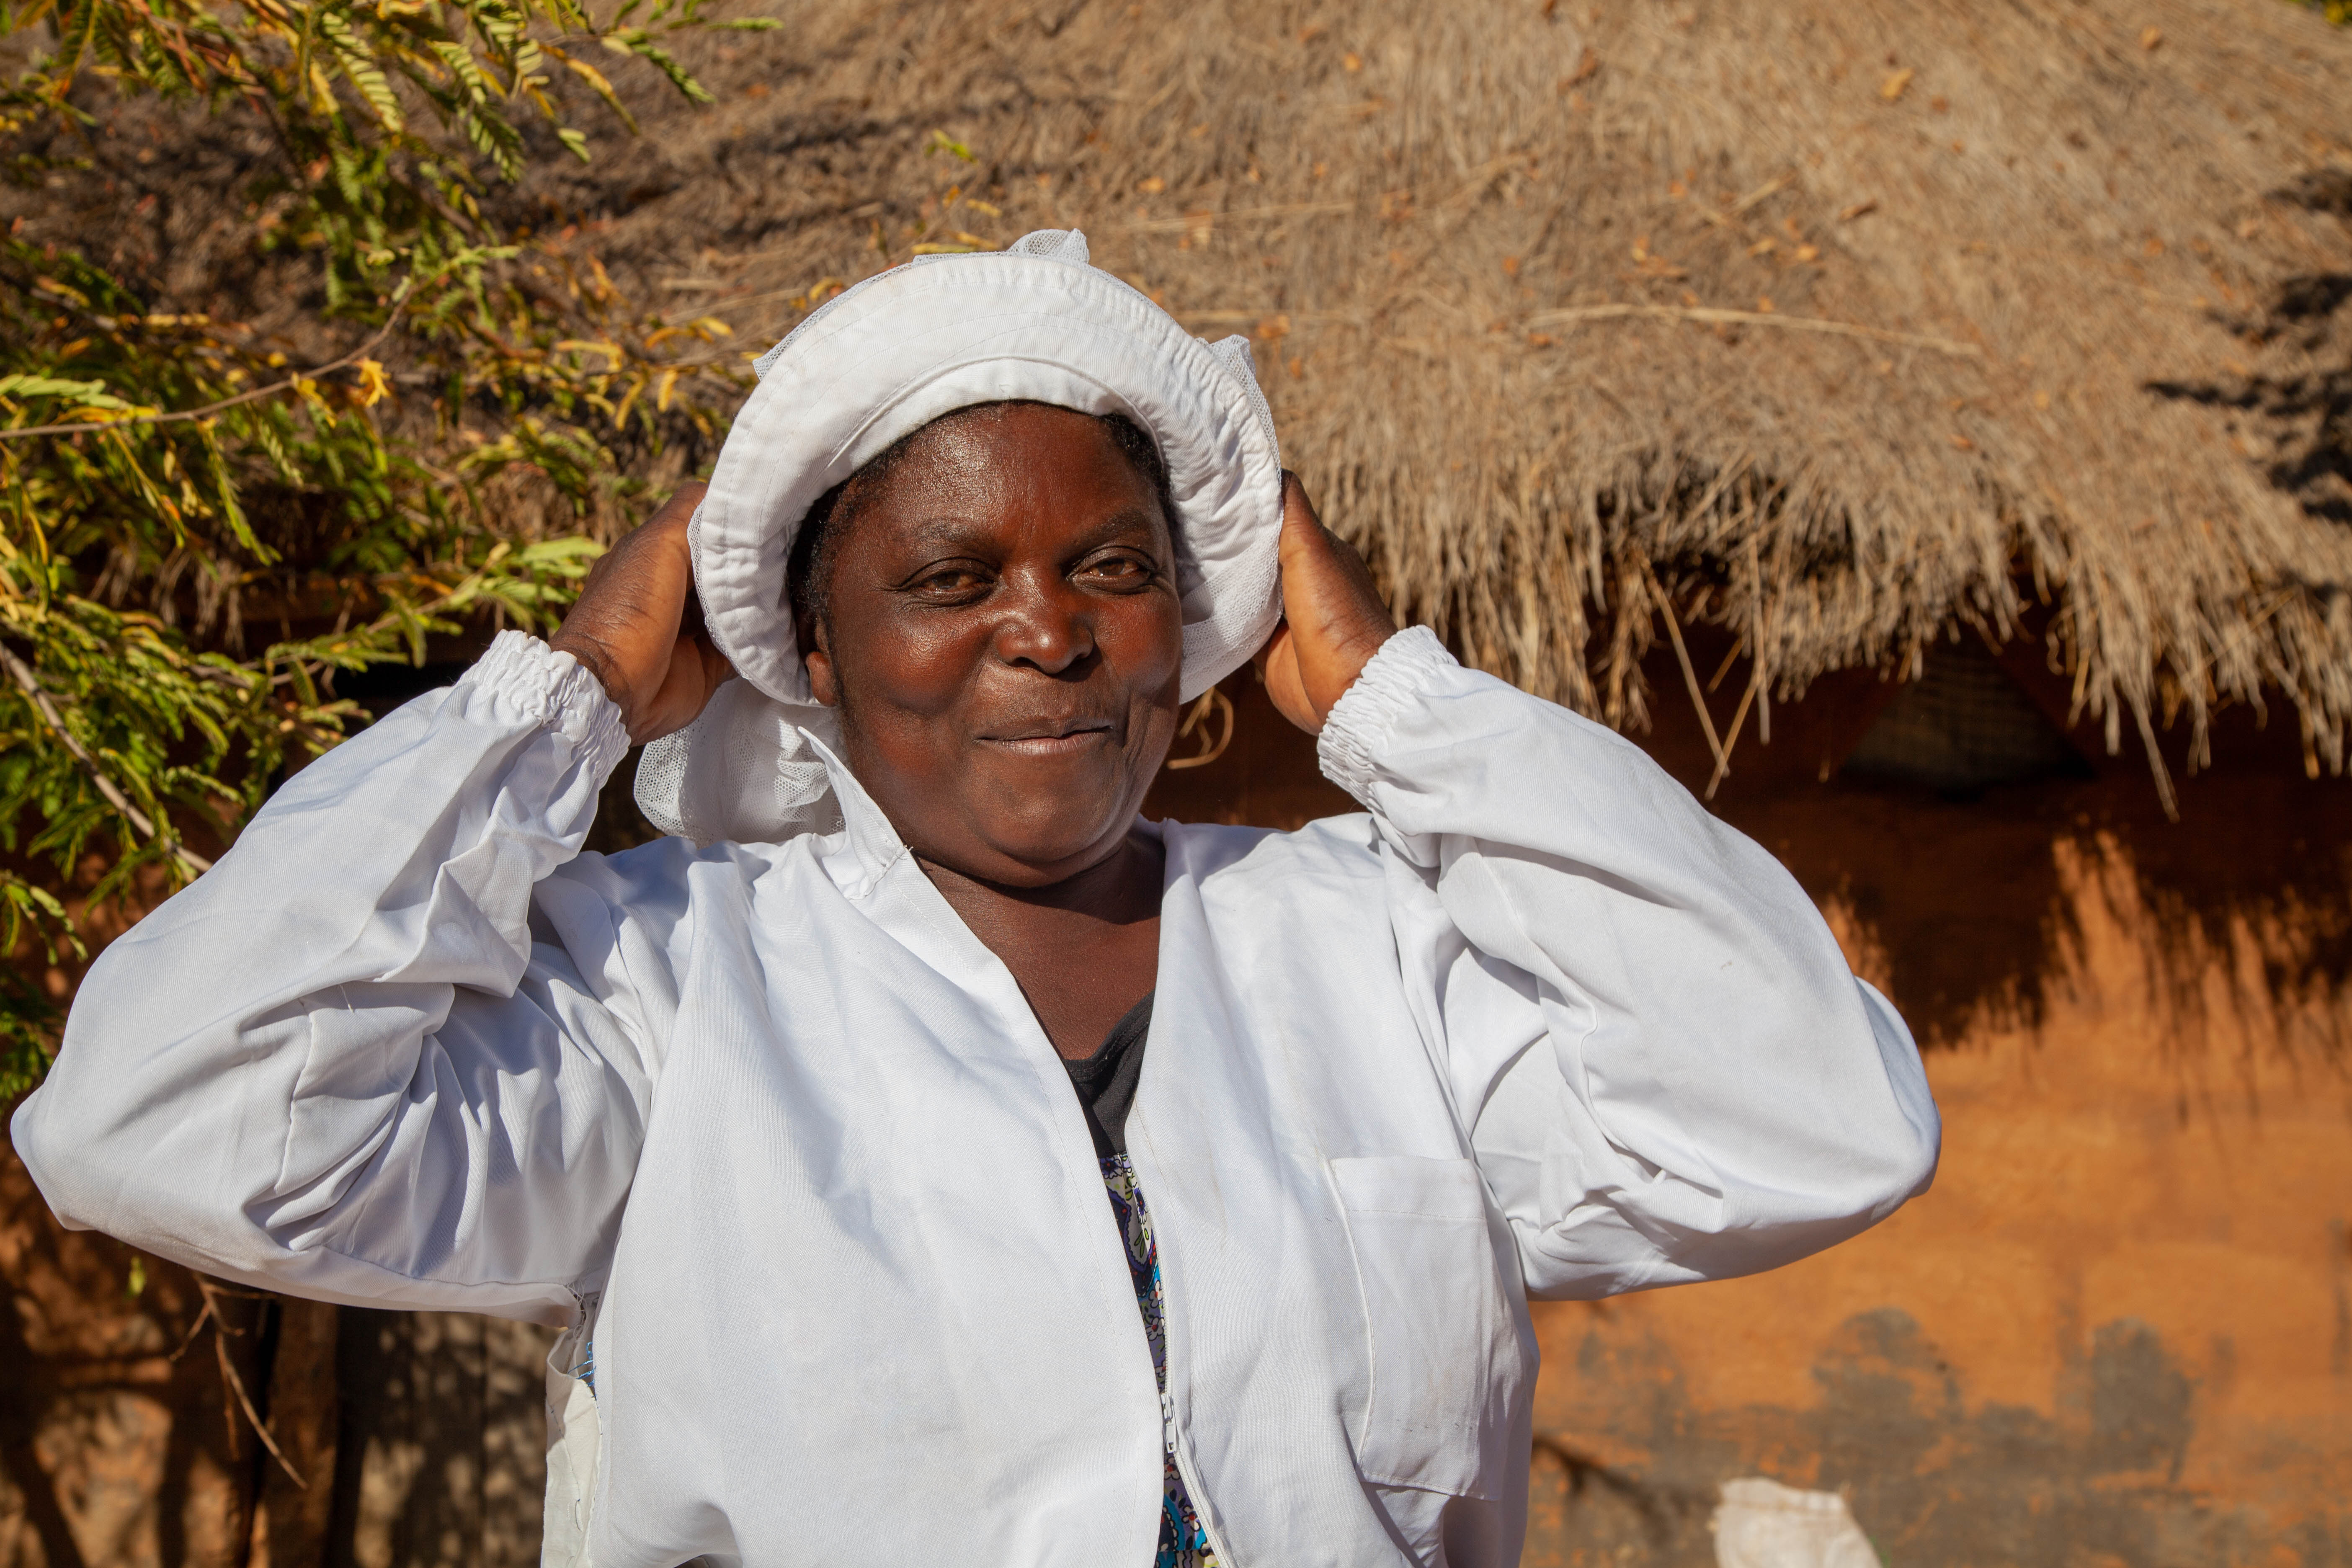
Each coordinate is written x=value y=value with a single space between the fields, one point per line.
x=168 y=481
x=27 y=1028
x=2336 y=11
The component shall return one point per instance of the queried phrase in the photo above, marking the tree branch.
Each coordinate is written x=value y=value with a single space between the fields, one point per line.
x=237 y=1386
x=209 y=409
x=194 y=864
x=1690 y=676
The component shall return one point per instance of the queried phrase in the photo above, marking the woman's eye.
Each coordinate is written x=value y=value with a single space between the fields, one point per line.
x=951 y=582
x=1118 y=570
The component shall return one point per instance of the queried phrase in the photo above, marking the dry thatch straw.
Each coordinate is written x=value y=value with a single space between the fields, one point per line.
x=1840 y=325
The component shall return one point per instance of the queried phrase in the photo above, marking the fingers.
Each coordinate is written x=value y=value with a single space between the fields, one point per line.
x=631 y=627
x=1277 y=666
x=679 y=510
x=1333 y=620
x=1338 y=585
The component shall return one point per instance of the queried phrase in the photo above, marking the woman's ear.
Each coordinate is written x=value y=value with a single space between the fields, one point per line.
x=817 y=654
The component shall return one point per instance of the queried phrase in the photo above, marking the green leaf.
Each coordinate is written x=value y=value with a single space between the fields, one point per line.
x=93 y=393
x=471 y=79
x=364 y=73
x=663 y=61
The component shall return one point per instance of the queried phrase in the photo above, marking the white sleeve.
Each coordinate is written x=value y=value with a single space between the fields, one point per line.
x=392 y=1050
x=1665 y=1068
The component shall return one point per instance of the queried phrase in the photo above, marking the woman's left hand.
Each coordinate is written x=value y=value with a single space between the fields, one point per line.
x=1333 y=620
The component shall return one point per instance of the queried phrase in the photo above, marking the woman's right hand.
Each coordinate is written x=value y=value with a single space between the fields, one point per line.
x=637 y=626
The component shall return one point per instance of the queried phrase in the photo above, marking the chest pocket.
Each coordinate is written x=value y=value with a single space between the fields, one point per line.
x=1447 y=1366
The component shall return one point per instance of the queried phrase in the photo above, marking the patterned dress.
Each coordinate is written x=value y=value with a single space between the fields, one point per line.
x=1182 y=1542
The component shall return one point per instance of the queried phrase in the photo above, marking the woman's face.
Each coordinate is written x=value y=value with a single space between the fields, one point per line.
x=1003 y=641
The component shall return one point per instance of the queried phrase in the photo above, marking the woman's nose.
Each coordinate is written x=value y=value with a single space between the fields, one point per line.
x=1048 y=626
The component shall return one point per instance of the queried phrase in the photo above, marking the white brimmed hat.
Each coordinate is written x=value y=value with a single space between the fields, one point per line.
x=1034 y=323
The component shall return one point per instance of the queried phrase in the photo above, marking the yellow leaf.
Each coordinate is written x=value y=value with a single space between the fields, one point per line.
x=668 y=386
x=374 y=387
x=1893 y=87
x=581 y=346
x=621 y=415
x=308 y=391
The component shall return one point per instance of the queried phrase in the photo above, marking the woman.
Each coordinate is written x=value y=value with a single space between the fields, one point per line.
x=804 y=1134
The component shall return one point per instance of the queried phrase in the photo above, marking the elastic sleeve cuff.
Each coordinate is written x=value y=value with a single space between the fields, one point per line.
x=544 y=687
x=1359 y=723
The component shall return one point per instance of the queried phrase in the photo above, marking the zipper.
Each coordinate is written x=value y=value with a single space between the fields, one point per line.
x=1184 y=1458
x=1179 y=1452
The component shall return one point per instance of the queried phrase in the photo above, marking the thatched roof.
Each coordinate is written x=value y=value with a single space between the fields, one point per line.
x=1842 y=324
x=1838 y=323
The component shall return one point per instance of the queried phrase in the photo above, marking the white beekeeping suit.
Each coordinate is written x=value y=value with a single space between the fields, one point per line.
x=754 y=1110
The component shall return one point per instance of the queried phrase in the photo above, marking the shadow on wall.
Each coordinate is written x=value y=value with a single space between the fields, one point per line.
x=442 y=1462
x=122 y=1443
x=1973 y=912
x=1932 y=1485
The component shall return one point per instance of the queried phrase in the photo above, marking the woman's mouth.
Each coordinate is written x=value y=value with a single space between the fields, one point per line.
x=1051 y=739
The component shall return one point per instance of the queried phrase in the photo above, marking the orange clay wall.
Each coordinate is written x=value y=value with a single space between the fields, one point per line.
x=2118 y=1330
